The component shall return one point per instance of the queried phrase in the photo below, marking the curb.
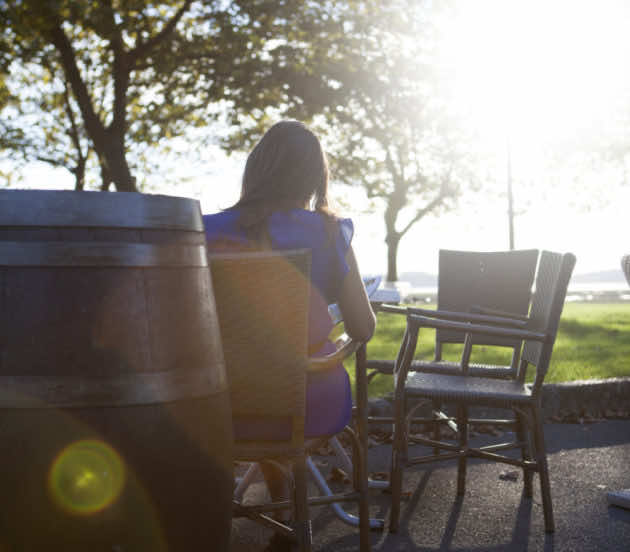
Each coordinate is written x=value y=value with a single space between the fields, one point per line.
x=573 y=401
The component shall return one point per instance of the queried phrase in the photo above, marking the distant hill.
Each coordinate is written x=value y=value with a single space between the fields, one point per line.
x=602 y=276
x=424 y=279
x=419 y=279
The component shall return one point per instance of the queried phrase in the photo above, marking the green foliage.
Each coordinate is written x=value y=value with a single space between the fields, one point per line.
x=370 y=87
x=143 y=73
x=305 y=71
x=45 y=122
x=593 y=342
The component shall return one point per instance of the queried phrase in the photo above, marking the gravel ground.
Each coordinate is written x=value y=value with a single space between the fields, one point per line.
x=586 y=460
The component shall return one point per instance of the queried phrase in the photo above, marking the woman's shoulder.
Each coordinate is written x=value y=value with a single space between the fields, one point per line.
x=311 y=225
x=220 y=220
x=314 y=218
x=346 y=227
x=222 y=226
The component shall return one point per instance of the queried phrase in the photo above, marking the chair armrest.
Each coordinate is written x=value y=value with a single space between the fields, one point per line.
x=346 y=346
x=335 y=313
x=519 y=333
x=478 y=309
x=510 y=320
x=468 y=317
x=387 y=307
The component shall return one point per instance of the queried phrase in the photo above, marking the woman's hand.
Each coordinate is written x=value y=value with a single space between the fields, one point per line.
x=358 y=317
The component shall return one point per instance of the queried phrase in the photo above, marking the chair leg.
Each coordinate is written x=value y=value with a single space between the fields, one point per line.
x=302 y=519
x=543 y=469
x=523 y=435
x=399 y=458
x=359 y=473
x=462 y=426
x=437 y=434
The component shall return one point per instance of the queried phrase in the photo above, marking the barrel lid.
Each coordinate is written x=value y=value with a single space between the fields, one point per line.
x=67 y=208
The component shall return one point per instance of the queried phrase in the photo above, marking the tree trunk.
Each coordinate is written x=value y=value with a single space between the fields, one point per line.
x=79 y=174
x=114 y=167
x=109 y=144
x=392 y=236
x=119 y=172
x=105 y=178
x=392 y=241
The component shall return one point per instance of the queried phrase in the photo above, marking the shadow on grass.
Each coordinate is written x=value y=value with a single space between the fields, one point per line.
x=575 y=329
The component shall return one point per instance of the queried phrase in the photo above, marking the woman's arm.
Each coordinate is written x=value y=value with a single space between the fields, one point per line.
x=358 y=317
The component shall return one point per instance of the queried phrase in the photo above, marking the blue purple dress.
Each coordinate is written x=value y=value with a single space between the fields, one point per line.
x=328 y=395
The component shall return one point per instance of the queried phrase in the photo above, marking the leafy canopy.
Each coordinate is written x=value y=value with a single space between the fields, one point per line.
x=144 y=73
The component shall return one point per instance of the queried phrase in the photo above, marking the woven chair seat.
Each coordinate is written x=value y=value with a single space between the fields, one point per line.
x=445 y=367
x=488 y=391
x=257 y=451
x=455 y=368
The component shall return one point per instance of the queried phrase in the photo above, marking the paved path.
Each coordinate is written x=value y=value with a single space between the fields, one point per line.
x=585 y=462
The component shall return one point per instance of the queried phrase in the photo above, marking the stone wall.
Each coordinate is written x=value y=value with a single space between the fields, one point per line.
x=574 y=401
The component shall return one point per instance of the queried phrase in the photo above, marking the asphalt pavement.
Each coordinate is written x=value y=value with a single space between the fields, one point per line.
x=585 y=461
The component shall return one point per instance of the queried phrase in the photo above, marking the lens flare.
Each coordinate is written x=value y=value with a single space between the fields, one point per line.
x=86 y=477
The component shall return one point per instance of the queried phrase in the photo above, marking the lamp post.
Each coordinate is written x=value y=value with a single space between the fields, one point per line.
x=509 y=193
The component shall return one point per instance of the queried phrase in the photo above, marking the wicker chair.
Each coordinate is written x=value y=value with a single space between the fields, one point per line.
x=538 y=333
x=501 y=281
x=622 y=497
x=262 y=304
x=474 y=282
x=625 y=266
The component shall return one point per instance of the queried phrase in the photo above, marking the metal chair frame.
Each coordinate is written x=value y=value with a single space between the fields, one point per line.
x=475 y=287
x=267 y=370
x=494 y=283
x=538 y=334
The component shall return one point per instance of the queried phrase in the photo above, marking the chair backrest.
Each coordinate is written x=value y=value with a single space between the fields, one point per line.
x=552 y=281
x=500 y=280
x=262 y=305
x=625 y=266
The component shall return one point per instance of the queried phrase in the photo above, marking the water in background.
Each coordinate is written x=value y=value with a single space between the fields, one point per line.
x=597 y=292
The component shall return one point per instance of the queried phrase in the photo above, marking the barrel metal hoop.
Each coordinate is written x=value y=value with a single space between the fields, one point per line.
x=99 y=254
x=142 y=388
x=60 y=208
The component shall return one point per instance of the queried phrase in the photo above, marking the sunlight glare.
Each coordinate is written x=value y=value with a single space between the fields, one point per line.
x=537 y=70
x=86 y=477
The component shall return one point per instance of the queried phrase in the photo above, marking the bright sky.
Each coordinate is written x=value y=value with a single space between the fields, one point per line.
x=539 y=73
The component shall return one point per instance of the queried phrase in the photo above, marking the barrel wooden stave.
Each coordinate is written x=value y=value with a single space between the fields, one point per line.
x=98 y=323
x=171 y=501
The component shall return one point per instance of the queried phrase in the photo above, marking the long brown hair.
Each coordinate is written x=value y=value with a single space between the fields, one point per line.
x=286 y=168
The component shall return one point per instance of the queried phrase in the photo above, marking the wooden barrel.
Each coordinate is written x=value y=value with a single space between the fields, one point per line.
x=114 y=413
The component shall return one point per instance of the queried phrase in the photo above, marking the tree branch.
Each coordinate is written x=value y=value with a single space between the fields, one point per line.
x=121 y=84
x=74 y=129
x=121 y=68
x=51 y=161
x=391 y=166
x=435 y=202
x=144 y=48
x=59 y=39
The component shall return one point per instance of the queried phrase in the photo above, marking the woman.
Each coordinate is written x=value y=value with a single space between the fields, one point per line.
x=283 y=206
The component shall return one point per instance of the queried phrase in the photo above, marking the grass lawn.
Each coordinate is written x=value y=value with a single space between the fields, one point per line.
x=593 y=342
